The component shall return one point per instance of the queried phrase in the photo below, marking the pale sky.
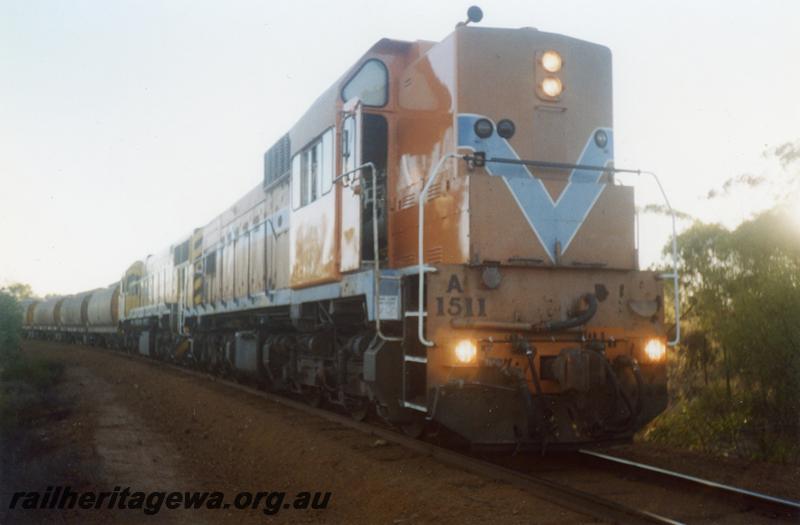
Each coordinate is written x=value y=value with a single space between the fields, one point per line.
x=125 y=124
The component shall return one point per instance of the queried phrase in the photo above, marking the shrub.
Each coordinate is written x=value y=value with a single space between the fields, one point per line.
x=10 y=325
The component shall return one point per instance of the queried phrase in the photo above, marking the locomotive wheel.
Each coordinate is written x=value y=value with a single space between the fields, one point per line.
x=272 y=385
x=415 y=428
x=359 y=411
x=313 y=397
x=197 y=363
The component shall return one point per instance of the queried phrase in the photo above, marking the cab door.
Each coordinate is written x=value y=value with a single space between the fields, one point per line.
x=350 y=204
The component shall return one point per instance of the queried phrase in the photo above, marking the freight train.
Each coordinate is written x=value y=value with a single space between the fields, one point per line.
x=441 y=239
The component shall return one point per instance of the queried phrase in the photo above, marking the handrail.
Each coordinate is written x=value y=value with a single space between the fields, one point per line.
x=433 y=174
x=674 y=274
x=557 y=165
x=375 y=245
x=272 y=226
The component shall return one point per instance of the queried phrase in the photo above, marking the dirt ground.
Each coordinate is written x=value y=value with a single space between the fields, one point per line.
x=116 y=422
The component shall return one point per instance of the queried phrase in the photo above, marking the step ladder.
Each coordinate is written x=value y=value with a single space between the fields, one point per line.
x=415 y=355
x=415 y=350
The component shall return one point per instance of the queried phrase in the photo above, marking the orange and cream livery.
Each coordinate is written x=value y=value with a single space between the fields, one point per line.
x=440 y=239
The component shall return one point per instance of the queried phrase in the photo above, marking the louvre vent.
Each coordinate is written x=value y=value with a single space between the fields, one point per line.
x=434 y=254
x=277 y=160
x=434 y=191
x=407 y=201
x=406 y=260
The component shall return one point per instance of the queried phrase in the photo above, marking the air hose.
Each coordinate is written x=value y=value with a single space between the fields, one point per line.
x=633 y=409
x=580 y=319
x=525 y=348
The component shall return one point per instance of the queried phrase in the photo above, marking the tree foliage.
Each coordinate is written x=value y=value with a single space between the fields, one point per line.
x=741 y=303
x=19 y=291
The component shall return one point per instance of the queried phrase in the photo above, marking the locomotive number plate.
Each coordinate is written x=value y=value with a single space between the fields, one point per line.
x=456 y=303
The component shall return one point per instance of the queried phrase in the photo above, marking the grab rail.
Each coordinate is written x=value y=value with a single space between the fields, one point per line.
x=375 y=245
x=674 y=275
x=433 y=174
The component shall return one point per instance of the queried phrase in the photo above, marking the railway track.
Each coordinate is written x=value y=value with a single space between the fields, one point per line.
x=743 y=505
x=768 y=505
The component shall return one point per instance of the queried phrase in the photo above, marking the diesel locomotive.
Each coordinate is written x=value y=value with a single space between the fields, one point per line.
x=441 y=239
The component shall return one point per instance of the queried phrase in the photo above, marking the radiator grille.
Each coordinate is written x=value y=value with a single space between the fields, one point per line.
x=277 y=160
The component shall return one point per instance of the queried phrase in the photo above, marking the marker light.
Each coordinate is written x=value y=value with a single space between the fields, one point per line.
x=601 y=138
x=483 y=127
x=551 y=86
x=655 y=349
x=551 y=61
x=466 y=351
x=506 y=128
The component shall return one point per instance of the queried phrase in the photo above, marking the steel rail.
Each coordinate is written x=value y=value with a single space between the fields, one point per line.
x=784 y=505
x=554 y=492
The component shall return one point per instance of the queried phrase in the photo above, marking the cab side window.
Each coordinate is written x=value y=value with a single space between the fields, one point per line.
x=312 y=171
x=370 y=84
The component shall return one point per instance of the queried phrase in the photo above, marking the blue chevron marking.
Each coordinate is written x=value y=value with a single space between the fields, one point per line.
x=552 y=221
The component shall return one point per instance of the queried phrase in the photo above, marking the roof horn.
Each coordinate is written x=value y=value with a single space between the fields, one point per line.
x=474 y=15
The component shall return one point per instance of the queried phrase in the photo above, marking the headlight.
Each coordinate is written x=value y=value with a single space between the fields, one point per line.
x=551 y=86
x=655 y=349
x=465 y=351
x=551 y=61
